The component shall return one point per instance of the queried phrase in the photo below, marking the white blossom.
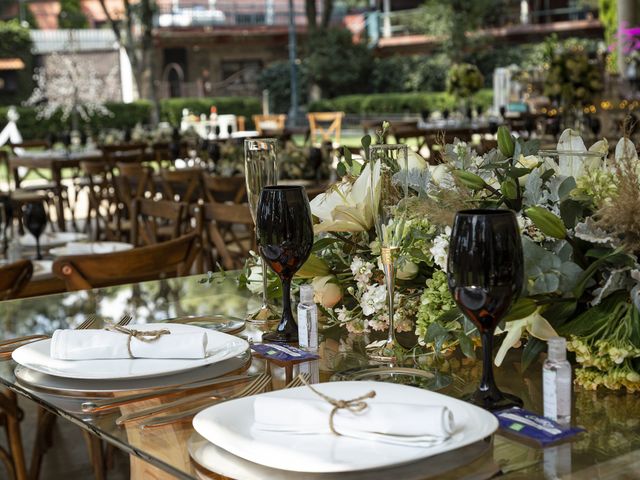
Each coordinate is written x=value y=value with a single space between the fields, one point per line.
x=361 y=271
x=373 y=299
x=440 y=249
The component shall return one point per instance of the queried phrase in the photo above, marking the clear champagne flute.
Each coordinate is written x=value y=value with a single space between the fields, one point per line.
x=261 y=170
x=389 y=190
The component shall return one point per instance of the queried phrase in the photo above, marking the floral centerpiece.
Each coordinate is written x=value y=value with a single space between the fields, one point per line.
x=580 y=234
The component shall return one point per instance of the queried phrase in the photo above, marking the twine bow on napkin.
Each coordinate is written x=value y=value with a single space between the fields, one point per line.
x=147 y=336
x=354 y=405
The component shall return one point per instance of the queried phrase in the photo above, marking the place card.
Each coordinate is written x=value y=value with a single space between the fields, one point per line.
x=283 y=353
x=530 y=426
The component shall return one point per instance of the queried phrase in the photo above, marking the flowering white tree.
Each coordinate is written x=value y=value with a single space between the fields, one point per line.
x=73 y=87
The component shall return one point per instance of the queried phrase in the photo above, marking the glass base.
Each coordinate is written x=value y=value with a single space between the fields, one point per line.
x=493 y=400
x=277 y=337
x=265 y=314
x=385 y=352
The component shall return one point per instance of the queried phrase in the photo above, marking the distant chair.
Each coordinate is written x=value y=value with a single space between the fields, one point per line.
x=182 y=185
x=227 y=235
x=102 y=205
x=14 y=277
x=172 y=258
x=269 y=123
x=154 y=221
x=325 y=127
x=224 y=189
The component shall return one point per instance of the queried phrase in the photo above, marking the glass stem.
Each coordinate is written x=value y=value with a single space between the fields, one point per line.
x=287 y=324
x=390 y=280
x=265 y=285
x=488 y=383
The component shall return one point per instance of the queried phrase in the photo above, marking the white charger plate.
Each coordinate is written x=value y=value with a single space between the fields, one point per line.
x=445 y=466
x=220 y=346
x=52 y=239
x=228 y=425
x=90 y=248
x=42 y=269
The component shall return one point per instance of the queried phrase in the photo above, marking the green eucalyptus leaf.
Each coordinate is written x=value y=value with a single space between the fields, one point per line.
x=509 y=188
x=466 y=345
x=323 y=243
x=521 y=309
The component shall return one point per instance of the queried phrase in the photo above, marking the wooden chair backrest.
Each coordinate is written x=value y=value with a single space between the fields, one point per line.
x=218 y=223
x=153 y=221
x=29 y=144
x=125 y=153
x=171 y=258
x=14 y=277
x=319 y=133
x=269 y=122
x=224 y=189
x=182 y=185
x=134 y=180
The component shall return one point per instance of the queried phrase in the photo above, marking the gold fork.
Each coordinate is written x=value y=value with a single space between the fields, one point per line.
x=259 y=385
x=14 y=344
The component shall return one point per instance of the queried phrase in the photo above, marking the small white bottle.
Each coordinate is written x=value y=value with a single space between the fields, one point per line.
x=556 y=382
x=307 y=319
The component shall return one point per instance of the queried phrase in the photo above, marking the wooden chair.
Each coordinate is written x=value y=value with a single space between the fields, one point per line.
x=125 y=153
x=103 y=205
x=171 y=258
x=224 y=189
x=182 y=185
x=154 y=221
x=320 y=134
x=133 y=181
x=227 y=235
x=270 y=123
x=13 y=278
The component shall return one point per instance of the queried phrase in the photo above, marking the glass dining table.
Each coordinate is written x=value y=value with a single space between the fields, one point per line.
x=609 y=448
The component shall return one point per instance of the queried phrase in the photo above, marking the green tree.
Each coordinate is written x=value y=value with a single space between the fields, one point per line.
x=15 y=42
x=336 y=64
x=454 y=20
x=71 y=15
x=277 y=80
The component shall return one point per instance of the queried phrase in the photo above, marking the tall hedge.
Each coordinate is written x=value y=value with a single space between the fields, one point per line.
x=127 y=115
x=397 y=102
x=15 y=42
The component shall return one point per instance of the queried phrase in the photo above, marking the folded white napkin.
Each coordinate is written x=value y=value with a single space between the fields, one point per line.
x=103 y=344
x=84 y=248
x=397 y=423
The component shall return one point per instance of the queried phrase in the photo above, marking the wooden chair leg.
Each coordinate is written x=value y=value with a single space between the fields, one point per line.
x=15 y=441
x=43 y=441
x=96 y=455
x=14 y=458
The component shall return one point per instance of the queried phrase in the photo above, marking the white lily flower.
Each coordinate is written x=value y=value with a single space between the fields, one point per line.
x=415 y=161
x=571 y=165
x=625 y=149
x=535 y=324
x=347 y=207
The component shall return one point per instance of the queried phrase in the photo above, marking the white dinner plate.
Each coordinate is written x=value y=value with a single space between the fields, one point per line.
x=229 y=426
x=52 y=239
x=220 y=346
x=101 y=388
x=89 y=248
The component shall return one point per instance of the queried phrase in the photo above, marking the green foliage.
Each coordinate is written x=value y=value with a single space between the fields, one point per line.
x=409 y=74
x=171 y=109
x=277 y=79
x=15 y=42
x=608 y=15
x=464 y=79
x=336 y=64
x=128 y=115
x=71 y=15
x=396 y=102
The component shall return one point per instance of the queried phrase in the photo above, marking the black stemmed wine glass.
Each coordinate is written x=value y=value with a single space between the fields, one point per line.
x=35 y=220
x=486 y=274
x=285 y=239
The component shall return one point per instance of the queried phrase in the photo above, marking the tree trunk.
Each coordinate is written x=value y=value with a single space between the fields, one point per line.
x=326 y=13
x=148 y=67
x=312 y=13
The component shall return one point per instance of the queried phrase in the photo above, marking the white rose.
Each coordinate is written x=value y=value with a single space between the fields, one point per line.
x=530 y=161
x=326 y=292
x=254 y=280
